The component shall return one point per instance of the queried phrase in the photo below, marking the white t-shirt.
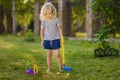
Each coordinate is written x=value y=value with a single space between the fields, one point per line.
x=50 y=29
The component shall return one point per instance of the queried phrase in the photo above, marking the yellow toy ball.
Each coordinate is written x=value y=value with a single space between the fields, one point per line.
x=68 y=74
x=58 y=73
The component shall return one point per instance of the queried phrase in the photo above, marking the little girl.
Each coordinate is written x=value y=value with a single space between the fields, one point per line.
x=51 y=33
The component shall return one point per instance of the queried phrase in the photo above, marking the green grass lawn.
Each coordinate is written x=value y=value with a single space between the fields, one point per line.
x=15 y=52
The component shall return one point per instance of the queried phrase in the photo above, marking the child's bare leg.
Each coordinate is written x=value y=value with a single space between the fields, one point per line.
x=49 y=59
x=57 y=54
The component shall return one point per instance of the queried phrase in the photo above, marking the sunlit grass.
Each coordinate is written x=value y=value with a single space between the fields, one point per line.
x=15 y=52
x=118 y=35
x=83 y=35
x=3 y=44
x=80 y=34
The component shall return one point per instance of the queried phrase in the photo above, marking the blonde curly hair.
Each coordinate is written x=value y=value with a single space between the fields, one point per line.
x=47 y=6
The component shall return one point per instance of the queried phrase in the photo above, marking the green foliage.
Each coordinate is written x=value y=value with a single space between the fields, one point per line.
x=102 y=36
x=0 y=2
x=78 y=14
x=29 y=36
x=23 y=8
x=25 y=12
x=7 y=4
x=108 y=11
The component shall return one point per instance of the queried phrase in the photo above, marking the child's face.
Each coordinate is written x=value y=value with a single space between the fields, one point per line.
x=49 y=15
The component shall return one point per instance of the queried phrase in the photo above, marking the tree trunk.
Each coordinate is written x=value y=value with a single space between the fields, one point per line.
x=9 y=23
x=65 y=16
x=36 y=18
x=92 y=23
x=14 y=17
x=2 y=29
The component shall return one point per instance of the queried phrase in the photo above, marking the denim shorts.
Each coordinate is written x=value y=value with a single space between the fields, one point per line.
x=51 y=44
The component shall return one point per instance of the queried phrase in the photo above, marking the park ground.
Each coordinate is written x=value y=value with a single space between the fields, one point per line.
x=15 y=52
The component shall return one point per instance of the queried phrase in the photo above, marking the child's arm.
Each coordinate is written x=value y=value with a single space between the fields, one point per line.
x=42 y=35
x=60 y=33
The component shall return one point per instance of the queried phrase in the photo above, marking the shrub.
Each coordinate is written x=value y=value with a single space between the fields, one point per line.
x=29 y=36
x=104 y=46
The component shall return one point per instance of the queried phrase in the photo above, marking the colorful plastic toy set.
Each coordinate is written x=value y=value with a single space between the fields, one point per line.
x=33 y=70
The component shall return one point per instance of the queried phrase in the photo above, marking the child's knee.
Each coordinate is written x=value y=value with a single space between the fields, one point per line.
x=58 y=56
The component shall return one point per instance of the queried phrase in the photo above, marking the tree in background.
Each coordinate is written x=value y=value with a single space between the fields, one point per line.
x=1 y=19
x=25 y=15
x=37 y=7
x=36 y=18
x=14 y=24
x=16 y=13
x=22 y=12
x=78 y=16
x=92 y=23
x=65 y=14
x=8 y=17
x=70 y=12
x=109 y=12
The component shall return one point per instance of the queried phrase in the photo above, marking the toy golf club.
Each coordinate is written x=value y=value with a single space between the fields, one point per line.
x=65 y=68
